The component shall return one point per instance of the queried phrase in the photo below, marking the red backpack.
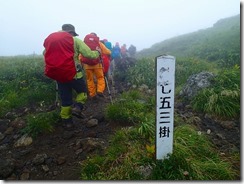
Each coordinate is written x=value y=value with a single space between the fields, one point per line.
x=91 y=41
x=58 y=57
x=106 y=63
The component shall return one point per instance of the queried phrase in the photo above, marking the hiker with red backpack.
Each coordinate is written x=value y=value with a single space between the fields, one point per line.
x=62 y=64
x=106 y=63
x=94 y=68
x=106 y=57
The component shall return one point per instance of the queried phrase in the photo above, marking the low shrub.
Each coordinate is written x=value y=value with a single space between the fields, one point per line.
x=223 y=98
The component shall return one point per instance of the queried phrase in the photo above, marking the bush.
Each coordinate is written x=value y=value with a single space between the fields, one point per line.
x=131 y=107
x=143 y=73
x=223 y=99
x=42 y=122
x=189 y=66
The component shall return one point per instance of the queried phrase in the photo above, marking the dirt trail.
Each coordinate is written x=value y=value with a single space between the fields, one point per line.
x=57 y=155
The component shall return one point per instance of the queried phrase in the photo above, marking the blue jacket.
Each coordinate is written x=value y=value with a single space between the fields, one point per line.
x=116 y=52
x=108 y=45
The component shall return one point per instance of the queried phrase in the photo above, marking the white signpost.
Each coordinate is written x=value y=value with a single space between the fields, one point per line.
x=165 y=86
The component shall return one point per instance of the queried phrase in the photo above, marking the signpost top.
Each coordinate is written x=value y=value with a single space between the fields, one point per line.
x=165 y=56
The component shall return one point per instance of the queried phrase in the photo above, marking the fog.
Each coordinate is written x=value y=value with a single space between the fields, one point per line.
x=26 y=23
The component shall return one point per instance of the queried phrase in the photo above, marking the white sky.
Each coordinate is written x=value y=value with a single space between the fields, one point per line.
x=26 y=23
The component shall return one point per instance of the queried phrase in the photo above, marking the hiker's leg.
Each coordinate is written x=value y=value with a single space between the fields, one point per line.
x=100 y=80
x=65 y=91
x=79 y=86
x=65 y=112
x=111 y=71
x=111 y=67
x=90 y=82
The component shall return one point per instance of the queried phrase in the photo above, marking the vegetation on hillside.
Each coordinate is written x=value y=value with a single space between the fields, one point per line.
x=220 y=43
x=223 y=98
x=23 y=83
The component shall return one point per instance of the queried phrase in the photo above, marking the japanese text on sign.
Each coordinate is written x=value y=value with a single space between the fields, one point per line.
x=165 y=68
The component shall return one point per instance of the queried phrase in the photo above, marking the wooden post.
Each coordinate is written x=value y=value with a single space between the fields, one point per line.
x=165 y=87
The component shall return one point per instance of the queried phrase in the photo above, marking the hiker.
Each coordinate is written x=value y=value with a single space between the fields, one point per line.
x=116 y=52
x=94 y=69
x=115 y=57
x=107 y=44
x=106 y=63
x=123 y=51
x=107 y=58
x=63 y=47
x=132 y=50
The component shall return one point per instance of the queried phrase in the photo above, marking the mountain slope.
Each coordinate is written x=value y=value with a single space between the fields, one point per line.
x=213 y=43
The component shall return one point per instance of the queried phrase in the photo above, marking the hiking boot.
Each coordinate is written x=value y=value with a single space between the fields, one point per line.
x=67 y=123
x=76 y=111
x=94 y=98
x=100 y=94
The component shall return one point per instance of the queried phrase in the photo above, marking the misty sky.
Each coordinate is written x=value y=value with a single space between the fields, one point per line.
x=26 y=23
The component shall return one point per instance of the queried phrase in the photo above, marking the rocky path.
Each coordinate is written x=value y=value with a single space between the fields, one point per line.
x=56 y=155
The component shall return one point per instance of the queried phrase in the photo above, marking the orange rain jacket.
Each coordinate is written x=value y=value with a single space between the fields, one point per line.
x=97 y=71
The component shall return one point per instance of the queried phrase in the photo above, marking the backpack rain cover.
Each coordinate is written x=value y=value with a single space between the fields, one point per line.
x=91 y=41
x=59 y=57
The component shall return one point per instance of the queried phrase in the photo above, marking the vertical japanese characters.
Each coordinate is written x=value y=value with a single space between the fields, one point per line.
x=165 y=105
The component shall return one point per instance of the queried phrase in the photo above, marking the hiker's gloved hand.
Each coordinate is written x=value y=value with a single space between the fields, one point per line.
x=78 y=68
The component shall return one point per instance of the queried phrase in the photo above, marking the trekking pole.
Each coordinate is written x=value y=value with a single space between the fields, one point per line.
x=112 y=75
x=106 y=81
x=109 y=93
x=56 y=89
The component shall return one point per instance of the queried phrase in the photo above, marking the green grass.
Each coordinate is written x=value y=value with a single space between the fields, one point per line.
x=40 y=123
x=193 y=157
x=144 y=71
x=192 y=154
x=130 y=107
x=223 y=98
x=23 y=83
x=185 y=67
x=199 y=155
x=119 y=162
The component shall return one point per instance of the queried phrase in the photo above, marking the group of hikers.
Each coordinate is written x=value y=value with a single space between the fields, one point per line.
x=66 y=56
